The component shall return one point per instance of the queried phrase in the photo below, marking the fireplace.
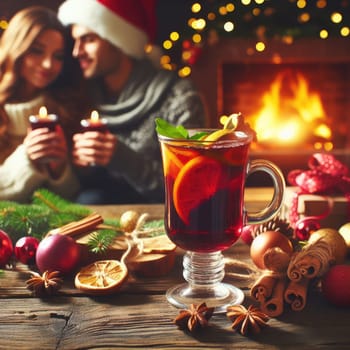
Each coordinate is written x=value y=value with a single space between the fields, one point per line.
x=233 y=79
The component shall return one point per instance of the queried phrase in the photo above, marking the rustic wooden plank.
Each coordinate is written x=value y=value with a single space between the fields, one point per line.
x=138 y=316
x=130 y=321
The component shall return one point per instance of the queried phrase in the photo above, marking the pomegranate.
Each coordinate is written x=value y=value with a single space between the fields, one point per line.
x=57 y=253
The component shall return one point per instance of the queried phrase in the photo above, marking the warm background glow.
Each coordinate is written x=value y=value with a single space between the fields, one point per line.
x=261 y=20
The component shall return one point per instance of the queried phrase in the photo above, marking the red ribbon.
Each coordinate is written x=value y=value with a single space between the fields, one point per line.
x=326 y=175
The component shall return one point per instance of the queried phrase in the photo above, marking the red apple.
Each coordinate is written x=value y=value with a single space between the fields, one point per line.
x=57 y=253
x=25 y=249
x=6 y=248
x=335 y=285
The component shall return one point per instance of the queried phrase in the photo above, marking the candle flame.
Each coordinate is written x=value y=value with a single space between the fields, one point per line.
x=42 y=112
x=94 y=116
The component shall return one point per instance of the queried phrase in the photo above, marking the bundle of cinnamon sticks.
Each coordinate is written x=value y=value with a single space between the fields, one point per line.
x=286 y=279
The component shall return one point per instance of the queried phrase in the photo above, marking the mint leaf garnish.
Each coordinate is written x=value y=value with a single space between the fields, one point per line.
x=166 y=129
x=175 y=132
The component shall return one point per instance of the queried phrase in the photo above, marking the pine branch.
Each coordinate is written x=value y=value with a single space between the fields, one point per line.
x=101 y=240
x=40 y=198
x=58 y=204
x=155 y=224
x=49 y=212
x=21 y=220
x=46 y=212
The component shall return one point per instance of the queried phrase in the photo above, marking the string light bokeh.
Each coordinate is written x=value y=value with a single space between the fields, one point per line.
x=261 y=20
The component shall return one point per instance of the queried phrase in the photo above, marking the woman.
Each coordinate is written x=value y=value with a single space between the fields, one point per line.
x=36 y=69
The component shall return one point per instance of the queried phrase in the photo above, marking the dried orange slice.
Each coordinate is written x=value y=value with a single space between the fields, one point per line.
x=196 y=182
x=157 y=244
x=101 y=277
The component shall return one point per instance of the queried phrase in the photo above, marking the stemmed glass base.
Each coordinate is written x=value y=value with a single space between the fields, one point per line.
x=204 y=273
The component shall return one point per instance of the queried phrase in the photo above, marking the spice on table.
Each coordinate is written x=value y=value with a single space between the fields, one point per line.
x=312 y=261
x=247 y=321
x=296 y=293
x=102 y=277
x=75 y=228
x=46 y=284
x=197 y=316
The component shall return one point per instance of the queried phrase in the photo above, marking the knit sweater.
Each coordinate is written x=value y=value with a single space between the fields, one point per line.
x=149 y=93
x=18 y=176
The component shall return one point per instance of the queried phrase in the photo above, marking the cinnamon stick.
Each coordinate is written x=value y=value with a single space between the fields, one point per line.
x=305 y=267
x=296 y=293
x=263 y=287
x=87 y=224
x=312 y=261
x=275 y=259
x=273 y=306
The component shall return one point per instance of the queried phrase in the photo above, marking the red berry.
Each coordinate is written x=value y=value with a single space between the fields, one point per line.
x=304 y=227
x=336 y=285
x=6 y=248
x=25 y=249
x=247 y=234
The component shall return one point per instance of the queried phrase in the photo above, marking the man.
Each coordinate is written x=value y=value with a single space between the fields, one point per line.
x=130 y=92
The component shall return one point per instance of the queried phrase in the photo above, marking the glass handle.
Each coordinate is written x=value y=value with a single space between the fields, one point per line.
x=279 y=187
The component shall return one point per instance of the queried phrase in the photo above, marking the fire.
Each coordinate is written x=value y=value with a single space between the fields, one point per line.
x=291 y=114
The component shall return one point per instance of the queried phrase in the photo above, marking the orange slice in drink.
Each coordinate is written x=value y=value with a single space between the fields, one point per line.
x=174 y=159
x=171 y=162
x=196 y=182
x=101 y=277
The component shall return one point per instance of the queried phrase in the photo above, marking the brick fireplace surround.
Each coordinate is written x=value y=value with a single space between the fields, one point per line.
x=232 y=81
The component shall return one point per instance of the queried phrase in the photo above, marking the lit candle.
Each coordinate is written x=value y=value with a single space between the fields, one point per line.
x=94 y=123
x=43 y=120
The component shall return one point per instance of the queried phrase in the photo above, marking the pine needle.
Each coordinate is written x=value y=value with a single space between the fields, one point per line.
x=46 y=212
x=58 y=204
x=101 y=240
x=154 y=224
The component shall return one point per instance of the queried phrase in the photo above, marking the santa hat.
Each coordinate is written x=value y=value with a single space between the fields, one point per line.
x=127 y=24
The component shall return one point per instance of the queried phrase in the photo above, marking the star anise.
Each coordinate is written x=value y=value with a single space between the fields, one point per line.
x=195 y=317
x=246 y=320
x=47 y=284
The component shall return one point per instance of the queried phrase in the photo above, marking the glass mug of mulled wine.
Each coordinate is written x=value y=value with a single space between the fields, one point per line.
x=44 y=120
x=204 y=209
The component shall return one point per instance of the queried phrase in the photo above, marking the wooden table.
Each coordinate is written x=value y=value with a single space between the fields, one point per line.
x=139 y=316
